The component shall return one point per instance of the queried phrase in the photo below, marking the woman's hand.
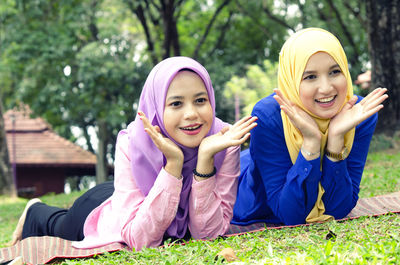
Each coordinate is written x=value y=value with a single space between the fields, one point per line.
x=303 y=122
x=171 y=151
x=353 y=114
x=234 y=135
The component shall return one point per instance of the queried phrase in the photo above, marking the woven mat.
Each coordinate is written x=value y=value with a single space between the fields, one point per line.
x=373 y=206
x=41 y=250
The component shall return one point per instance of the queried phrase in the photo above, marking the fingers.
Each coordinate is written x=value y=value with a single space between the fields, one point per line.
x=281 y=97
x=152 y=131
x=373 y=100
x=239 y=141
x=376 y=93
x=353 y=100
x=286 y=105
x=242 y=127
x=350 y=103
x=372 y=111
x=224 y=130
x=242 y=140
x=244 y=122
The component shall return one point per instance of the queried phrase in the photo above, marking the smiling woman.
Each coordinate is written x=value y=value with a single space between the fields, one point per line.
x=308 y=152
x=323 y=87
x=176 y=169
x=188 y=114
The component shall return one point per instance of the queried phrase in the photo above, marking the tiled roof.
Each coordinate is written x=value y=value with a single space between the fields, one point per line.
x=36 y=144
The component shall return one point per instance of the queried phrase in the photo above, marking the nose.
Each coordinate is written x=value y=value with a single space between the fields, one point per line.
x=325 y=85
x=190 y=112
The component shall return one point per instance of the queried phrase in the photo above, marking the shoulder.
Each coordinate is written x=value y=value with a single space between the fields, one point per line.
x=266 y=106
x=268 y=111
x=122 y=139
x=122 y=145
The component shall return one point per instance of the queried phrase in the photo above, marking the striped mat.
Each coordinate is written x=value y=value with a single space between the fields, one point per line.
x=373 y=206
x=41 y=250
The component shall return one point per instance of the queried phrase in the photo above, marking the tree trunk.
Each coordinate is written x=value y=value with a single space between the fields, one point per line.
x=384 y=47
x=7 y=186
x=101 y=165
x=171 y=35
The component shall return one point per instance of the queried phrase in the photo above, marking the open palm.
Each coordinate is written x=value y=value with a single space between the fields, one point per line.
x=170 y=150
x=300 y=119
x=353 y=114
x=234 y=135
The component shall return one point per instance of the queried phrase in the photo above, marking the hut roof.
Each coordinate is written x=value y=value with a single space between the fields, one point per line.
x=35 y=143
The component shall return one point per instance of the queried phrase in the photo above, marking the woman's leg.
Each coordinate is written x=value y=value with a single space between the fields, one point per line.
x=44 y=220
x=17 y=234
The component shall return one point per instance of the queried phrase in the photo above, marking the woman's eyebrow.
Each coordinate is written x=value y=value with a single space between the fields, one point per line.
x=200 y=94
x=309 y=72
x=314 y=71
x=334 y=66
x=174 y=98
x=181 y=97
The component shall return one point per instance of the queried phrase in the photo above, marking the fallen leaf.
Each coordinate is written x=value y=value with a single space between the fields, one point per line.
x=228 y=254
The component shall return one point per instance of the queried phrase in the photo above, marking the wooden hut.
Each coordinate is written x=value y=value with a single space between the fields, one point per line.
x=41 y=158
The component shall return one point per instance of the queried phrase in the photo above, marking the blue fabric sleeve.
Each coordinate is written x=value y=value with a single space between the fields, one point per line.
x=341 y=180
x=273 y=189
x=291 y=190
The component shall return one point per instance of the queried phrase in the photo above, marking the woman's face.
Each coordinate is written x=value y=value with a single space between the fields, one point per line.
x=188 y=114
x=323 y=86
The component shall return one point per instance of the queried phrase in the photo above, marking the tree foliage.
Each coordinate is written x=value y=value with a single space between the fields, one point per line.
x=258 y=83
x=83 y=63
x=71 y=65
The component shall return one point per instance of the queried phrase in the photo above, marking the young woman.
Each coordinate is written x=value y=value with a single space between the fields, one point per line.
x=176 y=170
x=307 y=154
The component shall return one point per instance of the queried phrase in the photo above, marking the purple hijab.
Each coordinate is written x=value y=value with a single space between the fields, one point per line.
x=146 y=159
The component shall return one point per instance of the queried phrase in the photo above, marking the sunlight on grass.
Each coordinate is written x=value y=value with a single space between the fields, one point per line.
x=4 y=199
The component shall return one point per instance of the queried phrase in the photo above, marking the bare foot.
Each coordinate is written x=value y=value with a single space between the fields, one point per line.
x=17 y=235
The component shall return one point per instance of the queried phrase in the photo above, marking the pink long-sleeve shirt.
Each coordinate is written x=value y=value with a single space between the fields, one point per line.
x=141 y=221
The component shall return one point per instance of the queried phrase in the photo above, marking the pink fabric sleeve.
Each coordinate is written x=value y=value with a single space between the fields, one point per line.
x=211 y=201
x=150 y=217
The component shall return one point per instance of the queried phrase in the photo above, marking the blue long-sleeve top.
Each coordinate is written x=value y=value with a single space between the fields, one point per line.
x=274 y=190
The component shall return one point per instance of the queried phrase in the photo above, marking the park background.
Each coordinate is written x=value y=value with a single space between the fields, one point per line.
x=81 y=65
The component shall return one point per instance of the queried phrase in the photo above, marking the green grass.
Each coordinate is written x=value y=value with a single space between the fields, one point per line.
x=381 y=174
x=11 y=209
x=367 y=240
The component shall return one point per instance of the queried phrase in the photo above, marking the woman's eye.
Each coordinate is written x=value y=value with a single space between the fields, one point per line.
x=336 y=71
x=309 y=77
x=201 y=100
x=175 y=104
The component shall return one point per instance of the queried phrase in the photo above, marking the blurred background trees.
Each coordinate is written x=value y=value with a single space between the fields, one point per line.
x=384 y=49
x=81 y=64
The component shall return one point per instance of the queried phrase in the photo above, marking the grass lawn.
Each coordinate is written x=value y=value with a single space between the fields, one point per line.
x=367 y=240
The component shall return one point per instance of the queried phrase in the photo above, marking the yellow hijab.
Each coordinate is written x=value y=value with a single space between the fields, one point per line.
x=292 y=61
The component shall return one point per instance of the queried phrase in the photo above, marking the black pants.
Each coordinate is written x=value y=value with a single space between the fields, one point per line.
x=44 y=220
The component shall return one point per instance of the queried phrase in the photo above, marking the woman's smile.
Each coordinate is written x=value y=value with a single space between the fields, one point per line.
x=192 y=129
x=323 y=87
x=188 y=114
x=326 y=102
